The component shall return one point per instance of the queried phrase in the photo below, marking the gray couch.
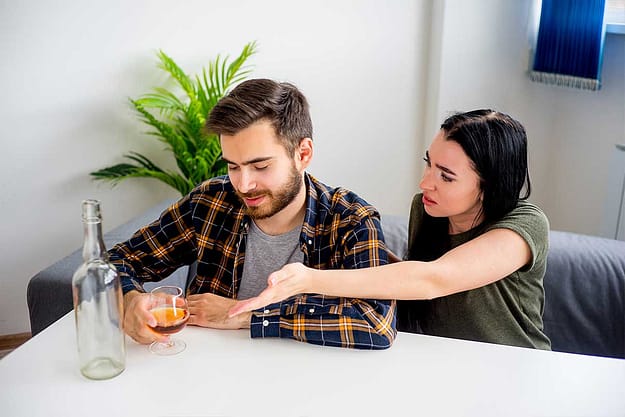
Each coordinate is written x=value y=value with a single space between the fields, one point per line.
x=584 y=286
x=49 y=292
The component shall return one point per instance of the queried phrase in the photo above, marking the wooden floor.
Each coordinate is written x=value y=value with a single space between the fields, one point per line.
x=12 y=341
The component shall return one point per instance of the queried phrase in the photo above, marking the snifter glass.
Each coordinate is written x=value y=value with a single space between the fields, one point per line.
x=169 y=307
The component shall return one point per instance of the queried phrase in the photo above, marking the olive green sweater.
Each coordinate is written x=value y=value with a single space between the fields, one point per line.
x=508 y=311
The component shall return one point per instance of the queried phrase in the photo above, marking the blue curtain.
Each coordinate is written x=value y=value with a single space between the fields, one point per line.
x=569 y=46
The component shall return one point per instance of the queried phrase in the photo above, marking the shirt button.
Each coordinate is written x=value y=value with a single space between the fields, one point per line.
x=312 y=310
x=266 y=311
x=265 y=323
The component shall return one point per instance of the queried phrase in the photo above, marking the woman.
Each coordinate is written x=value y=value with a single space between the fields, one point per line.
x=477 y=250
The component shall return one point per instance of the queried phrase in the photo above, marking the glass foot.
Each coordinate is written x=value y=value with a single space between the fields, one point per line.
x=172 y=347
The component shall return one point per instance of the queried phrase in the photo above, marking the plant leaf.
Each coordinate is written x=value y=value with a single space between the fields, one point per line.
x=178 y=121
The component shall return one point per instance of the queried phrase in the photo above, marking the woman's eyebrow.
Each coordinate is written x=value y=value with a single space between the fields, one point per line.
x=439 y=166
x=445 y=169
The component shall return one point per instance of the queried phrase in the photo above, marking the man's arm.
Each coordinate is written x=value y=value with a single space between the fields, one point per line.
x=151 y=254
x=336 y=321
x=156 y=250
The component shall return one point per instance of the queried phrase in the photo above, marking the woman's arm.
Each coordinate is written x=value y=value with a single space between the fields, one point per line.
x=479 y=262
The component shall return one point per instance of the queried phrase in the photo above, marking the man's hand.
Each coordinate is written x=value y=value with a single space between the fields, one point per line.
x=137 y=318
x=210 y=310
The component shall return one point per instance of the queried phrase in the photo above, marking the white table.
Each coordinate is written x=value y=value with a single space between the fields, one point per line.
x=225 y=373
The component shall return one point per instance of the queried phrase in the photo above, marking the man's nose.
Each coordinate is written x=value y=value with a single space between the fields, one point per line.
x=247 y=182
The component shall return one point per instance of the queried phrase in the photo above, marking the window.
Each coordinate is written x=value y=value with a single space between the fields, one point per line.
x=615 y=16
x=569 y=43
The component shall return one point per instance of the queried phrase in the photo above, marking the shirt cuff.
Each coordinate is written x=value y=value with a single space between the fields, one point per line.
x=128 y=284
x=265 y=322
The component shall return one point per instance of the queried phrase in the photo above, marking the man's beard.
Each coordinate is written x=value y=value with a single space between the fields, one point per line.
x=277 y=201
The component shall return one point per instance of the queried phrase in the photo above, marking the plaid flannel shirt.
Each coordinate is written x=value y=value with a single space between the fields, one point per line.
x=209 y=225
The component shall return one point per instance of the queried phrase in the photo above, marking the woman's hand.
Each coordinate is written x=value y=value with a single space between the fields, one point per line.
x=292 y=279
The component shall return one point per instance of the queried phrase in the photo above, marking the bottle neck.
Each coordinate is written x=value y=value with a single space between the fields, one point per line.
x=93 y=245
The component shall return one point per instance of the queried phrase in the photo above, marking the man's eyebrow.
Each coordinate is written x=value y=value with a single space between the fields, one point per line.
x=251 y=161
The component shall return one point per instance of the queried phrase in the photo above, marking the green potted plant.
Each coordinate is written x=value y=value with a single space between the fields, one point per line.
x=179 y=123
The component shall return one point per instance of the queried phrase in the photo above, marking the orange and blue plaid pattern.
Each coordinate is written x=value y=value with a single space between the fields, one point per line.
x=209 y=225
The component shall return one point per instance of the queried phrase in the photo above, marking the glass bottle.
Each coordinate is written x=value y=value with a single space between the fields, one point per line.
x=98 y=303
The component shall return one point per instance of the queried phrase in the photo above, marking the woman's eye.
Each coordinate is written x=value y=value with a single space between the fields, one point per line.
x=232 y=167
x=446 y=178
x=427 y=160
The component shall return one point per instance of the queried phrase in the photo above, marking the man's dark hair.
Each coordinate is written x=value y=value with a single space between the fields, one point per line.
x=282 y=104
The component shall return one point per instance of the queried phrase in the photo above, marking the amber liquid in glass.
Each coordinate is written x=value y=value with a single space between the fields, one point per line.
x=169 y=320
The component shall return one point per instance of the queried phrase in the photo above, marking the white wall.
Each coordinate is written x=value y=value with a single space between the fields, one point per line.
x=68 y=67
x=586 y=127
x=489 y=41
x=380 y=77
x=483 y=60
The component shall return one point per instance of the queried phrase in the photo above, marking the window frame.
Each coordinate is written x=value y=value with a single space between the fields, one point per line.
x=614 y=17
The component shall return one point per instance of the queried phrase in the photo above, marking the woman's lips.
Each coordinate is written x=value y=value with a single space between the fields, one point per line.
x=427 y=202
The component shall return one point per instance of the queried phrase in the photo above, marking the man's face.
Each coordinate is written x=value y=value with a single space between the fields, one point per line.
x=264 y=177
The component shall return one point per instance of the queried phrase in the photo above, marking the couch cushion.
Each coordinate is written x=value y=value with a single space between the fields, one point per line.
x=585 y=294
x=395 y=229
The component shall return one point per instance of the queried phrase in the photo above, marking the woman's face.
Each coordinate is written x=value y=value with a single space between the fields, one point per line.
x=450 y=185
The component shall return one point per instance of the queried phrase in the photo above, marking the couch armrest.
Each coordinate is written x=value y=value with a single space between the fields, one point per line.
x=585 y=294
x=49 y=292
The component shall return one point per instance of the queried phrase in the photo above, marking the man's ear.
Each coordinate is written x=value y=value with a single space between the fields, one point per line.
x=304 y=152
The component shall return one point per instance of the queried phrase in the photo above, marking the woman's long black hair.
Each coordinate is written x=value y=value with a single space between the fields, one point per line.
x=496 y=144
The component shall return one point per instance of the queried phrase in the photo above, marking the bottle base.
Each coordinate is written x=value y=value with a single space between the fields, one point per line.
x=102 y=368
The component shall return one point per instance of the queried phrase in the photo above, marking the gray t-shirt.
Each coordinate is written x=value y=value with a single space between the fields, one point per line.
x=265 y=254
x=508 y=311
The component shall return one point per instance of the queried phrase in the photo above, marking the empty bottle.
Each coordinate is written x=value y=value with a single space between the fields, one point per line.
x=98 y=303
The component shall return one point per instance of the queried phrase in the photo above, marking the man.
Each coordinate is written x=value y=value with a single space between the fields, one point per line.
x=265 y=213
